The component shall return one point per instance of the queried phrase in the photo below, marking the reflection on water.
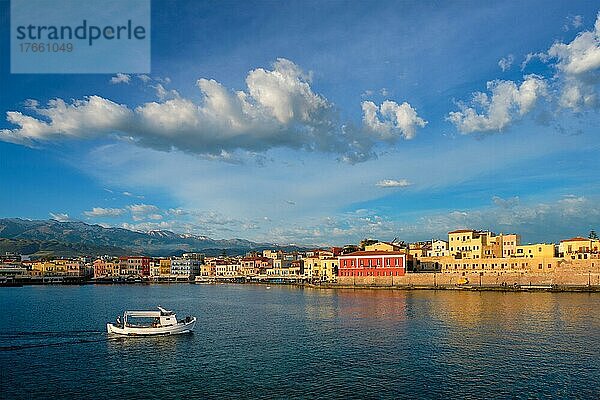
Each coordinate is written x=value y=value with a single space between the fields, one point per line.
x=289 y=342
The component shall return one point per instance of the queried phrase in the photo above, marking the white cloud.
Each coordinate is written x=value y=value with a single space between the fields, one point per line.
x=152 y=226
x=578 y=68
x=99 y=212
x=506 y=103
x=60 y=217
x=144 y=211
x=581 y=55
x=367 y=93
x=506 y=62
x=120 y=78
x=573 y=21
x=92 y=116
x=278 y=109
x=391 y=121
x=392 y=183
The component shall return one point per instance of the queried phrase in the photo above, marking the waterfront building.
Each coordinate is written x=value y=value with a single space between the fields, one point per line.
x=104 y=267
x=155 y=267
x=164 y=267
x=12 y=270
x=498 y=265
x=373 y=263
x=419 y=250
x=112 y=268
x=320 y=266
x=208 y=270
x=49 y=268
x=134 y=266
x=312 y=268
x=189 y=267
x=99 y=268
x=579 y=248
x=255 y=265
x=74 y=268
x=229 y=268
x=439 y=248
x=329 y=269
x=282 y=263
x=473 y=244
x=543 y=250
x=288 y=271
x=468 y=243
x=509 y=244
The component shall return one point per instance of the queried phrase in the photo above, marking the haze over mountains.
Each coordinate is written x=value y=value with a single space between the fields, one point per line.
x=50 y=237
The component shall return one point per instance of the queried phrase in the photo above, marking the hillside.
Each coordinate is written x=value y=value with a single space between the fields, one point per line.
x=78 y=238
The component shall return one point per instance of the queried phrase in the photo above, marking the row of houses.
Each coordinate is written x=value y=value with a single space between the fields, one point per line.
x=474 y=244
x=318 y=265
x=464 y=250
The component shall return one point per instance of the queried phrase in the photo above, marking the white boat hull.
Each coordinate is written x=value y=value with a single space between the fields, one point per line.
x=177 y=329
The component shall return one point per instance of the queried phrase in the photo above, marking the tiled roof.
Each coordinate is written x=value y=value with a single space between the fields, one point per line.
x=374 y=253
x=576 y=239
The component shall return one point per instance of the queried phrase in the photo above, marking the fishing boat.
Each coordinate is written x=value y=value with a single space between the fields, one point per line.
x=161 y=322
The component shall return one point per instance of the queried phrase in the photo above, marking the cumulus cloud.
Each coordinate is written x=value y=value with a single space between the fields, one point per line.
x=120 y=78
x=506 y=103
x=99 y=212
x=391 y=120
x=392 y=183
x=60 y=217
x=142 y=211
x=278 y=108
x=578 y=68
x=506 y=62
x=92 y=116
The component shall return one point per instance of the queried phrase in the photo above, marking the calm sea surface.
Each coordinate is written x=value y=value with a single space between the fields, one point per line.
x=287 y=342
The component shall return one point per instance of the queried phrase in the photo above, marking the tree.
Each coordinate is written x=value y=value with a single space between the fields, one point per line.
x=593 y=235
x=367 y=242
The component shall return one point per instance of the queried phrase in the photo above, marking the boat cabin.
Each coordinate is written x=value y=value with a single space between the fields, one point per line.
x=159 y=318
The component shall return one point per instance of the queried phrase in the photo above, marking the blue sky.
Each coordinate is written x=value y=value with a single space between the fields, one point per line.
x=321 y=123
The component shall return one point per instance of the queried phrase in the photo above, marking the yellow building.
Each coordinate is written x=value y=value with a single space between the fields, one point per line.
x=322 y=269
x=468 y=243
x=508 y=243
x=383 y=246
x=50 y=268
x=165 y=267
x=112 y=268
x=472 y=244
x=579 y=248
x=312 y=268
x=498 y=265
x=543 y=250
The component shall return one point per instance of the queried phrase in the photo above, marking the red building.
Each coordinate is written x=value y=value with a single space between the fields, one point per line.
x=135 y=265
x=373 y=263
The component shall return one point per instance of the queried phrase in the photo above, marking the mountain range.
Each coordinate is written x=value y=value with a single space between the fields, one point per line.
x=67 y=239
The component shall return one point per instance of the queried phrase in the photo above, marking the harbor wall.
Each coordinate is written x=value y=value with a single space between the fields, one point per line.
x=580 y=273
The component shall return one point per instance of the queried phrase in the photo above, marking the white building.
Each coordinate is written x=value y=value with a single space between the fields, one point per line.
x=185 y=266
x=439 y=248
